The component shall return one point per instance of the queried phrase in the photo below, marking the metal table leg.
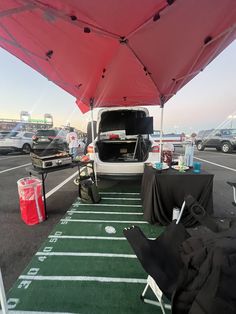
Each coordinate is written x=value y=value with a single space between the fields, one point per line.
x=44 y=194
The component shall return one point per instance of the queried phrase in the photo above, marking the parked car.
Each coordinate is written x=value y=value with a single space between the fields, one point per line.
x=11 y=141
x=49 y=141
x=173 y=138
x=223 y=140
x=122 y=145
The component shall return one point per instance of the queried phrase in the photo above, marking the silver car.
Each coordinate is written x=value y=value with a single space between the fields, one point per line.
x=11 y=141
x=122 y=145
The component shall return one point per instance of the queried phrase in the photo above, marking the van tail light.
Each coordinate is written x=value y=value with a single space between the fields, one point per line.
x=155 y=149
x=34 y=138
x=51 y=138
x=90 y=149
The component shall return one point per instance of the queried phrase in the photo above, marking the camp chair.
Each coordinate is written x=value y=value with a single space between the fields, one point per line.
x=161 y=268
x=164 y=269
x=233 y=185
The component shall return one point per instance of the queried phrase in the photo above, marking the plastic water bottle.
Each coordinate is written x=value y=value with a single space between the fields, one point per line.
x=181 y=163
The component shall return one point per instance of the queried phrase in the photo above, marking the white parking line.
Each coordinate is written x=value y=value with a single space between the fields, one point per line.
x=85 y=254
x=10 y=157
x=215 y=164
x=84 y=278
x=10 y=169
x=61 y=184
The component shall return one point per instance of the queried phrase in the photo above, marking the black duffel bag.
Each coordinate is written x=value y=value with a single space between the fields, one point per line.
x=88 y=191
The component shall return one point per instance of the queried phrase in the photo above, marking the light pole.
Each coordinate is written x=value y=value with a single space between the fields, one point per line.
x=231 y=117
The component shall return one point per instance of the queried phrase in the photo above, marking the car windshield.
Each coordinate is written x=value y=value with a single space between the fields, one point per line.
x=46 y=133
x=233 y=132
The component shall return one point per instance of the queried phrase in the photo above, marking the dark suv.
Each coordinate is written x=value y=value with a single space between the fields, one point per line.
x=49 y=141
x=223 y=140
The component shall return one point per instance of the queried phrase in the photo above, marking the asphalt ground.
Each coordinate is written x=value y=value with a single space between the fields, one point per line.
x=19 y=242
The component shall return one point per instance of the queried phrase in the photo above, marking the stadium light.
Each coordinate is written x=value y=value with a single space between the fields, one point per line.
x=231 y=117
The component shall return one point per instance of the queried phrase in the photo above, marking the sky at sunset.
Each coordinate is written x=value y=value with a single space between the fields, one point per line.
x=205 y=102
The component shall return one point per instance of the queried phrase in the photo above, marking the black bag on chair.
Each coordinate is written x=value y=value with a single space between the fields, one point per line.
x=88 y=191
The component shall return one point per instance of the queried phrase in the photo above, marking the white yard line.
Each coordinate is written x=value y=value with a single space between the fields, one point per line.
x=36 y=312
x=107 y=221
x=105 y=205
x=122 y=198
x=97 y=212
x=120 y=193
x=215 y=164
x=84 y=278
x=87 y=237
x=85 y=254
x=10 y=169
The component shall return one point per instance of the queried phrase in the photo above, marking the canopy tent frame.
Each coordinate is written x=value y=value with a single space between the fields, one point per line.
x=161 y=129
x=92 y=129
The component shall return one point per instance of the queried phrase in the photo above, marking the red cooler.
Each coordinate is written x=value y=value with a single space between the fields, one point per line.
x=31 y=201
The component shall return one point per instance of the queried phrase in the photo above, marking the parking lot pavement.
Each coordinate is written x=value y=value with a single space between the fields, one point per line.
x=19 y=242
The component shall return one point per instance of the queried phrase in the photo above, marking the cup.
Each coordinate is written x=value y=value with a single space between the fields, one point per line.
x=175 y=213
x=158 y=165
x=197 y=167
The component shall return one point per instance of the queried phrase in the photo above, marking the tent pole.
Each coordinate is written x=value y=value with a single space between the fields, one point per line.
x=161 y=128
x=92 y=128
x=3 y=301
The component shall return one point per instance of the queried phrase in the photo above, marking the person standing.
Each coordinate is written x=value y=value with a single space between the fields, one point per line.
x=72 y=140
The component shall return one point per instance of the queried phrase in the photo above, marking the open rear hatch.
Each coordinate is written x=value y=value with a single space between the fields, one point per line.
x=123 y=135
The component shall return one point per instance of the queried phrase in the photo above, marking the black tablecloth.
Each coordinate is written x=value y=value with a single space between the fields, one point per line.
x=162 y=191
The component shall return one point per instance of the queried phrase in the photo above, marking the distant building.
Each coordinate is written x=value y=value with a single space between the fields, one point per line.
x=26 y=123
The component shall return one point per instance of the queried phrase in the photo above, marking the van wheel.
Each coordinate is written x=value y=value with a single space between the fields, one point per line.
x=200 y=146
x=226 y=147
x=26 y=149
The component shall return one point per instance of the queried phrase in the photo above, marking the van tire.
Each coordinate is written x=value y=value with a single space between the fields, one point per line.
x=226 y=147
x=26 y=148
x=200 y=146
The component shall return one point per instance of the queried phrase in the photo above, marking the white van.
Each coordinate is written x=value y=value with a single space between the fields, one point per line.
x=122 y=145
x=11 y=141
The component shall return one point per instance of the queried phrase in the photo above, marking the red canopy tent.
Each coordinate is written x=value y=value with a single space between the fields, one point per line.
x=117 y=53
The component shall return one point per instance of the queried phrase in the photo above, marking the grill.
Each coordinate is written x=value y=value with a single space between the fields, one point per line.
x=50 y=161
